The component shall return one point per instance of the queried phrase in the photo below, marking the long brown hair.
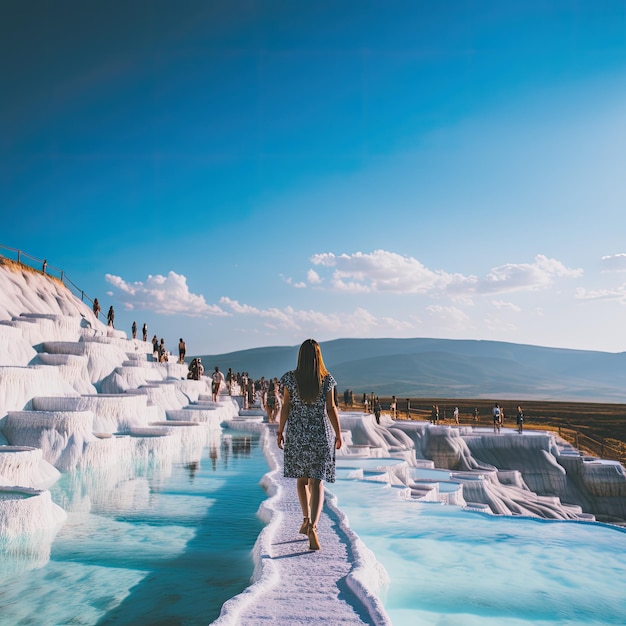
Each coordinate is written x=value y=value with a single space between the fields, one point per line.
x=310 y=371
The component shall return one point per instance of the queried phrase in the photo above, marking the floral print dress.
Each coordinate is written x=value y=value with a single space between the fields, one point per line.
x=309 y=438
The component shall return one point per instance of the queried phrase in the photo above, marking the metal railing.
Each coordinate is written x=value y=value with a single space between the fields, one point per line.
x=41 y=265
x=591 y=446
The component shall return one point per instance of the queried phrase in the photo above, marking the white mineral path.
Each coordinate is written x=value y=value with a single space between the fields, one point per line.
x=296 y=586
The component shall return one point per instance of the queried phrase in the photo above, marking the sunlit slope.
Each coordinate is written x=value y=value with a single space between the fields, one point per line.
x=451 y=368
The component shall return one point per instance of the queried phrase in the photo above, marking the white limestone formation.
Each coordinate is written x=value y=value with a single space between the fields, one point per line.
x=102 y=358
x=25 y=466
x=72 y=368
x=19 y=385
x=14 y=349
x=25 y=511
x=112 y=413
x=61 y=435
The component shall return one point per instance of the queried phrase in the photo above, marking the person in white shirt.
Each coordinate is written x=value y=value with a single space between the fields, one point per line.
x=218 y=379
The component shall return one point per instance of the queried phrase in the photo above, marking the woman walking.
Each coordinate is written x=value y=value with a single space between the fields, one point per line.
x=313 y=433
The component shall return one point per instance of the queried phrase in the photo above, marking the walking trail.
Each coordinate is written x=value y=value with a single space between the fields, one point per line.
x=294 y=585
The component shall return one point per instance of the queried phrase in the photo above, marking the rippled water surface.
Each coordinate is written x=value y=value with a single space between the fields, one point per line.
x=145 y=544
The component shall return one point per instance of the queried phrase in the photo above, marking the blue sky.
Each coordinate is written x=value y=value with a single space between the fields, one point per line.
x=248 y=174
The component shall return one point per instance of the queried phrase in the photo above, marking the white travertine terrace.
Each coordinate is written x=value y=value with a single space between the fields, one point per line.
x=25 y=509
x=23 y=465
x=14 y=349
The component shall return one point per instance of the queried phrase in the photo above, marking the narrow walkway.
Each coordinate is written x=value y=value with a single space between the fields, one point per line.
x=294 y=585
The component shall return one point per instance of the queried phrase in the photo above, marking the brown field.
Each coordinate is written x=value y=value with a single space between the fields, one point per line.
x=594 y=428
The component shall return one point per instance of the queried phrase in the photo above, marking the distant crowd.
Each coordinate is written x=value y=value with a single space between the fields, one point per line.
x=266 y=392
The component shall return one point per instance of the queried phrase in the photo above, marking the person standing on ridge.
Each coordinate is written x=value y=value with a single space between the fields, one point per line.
x=230 y=379
x=134 y=330
x=144 y=330
x=218 y=378
x=182 y=350
x=496 y=418
x=310 y=414
x=377 y=409
x=111 y=317
x=96 y=307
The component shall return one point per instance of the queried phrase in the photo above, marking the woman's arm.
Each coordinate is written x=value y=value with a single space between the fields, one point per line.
x=284 y=414
x=333 y=416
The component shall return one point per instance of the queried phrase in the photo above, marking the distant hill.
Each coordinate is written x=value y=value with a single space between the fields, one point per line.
x=447 y=368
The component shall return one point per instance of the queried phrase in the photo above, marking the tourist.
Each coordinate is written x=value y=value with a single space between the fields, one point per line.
x=476 y=415
x=217 y=378
x=144 y=330
x=111 y=316
x=310 y=414
x=96 y=307
x=434 y=414
x=272 y=401
x=377 y=409
x=520 y=420
x=182 y=350
x=134 y=330
x=230 y=379
x=456 y=414
x=155 y=347
x=496 y=418
x=393 y=407
x=163 y=353
x=195 y=369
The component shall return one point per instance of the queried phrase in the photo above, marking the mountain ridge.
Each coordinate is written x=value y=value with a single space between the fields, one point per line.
x=429 y=367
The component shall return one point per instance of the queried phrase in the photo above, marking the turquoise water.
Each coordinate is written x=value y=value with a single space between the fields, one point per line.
x=146 y=544
x=450 y=566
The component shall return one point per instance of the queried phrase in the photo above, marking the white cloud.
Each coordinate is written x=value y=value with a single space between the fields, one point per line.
x=313 y=277
x=525 y=276
x=167 y=295
x=614 y=262
x=618 y=293
x=383 y=271
x=299 y=285
x=507 y=306
x=358 y=323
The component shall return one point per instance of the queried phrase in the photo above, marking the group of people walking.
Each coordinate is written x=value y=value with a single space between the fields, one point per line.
x=498 y=418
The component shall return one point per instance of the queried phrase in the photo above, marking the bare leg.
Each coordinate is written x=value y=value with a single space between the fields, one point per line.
x=316 y=487
x=302 y=485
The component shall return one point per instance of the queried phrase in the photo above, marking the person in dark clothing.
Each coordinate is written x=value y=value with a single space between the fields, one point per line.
x=377 y=409
x=145 y=331
x=134 y=330
x=111 y=316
